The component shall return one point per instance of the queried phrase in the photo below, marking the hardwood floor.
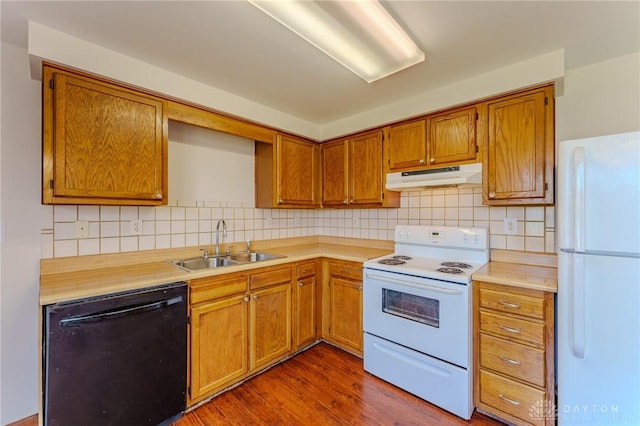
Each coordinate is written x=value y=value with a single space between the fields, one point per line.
x=321 y=386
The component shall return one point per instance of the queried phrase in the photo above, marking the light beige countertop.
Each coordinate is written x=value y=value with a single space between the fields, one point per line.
x=537 y=272
x=67 y=279
x=73 y=278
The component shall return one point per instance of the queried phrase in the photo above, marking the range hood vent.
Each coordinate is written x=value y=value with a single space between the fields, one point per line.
x=463 y=175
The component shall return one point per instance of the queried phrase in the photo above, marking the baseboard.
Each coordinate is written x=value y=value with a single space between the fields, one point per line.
x=27 y=421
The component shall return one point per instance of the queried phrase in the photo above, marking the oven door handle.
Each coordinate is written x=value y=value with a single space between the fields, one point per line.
x=413 y=284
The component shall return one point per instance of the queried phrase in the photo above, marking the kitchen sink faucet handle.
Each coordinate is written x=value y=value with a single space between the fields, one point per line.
x=248 y=244
x=205 y=253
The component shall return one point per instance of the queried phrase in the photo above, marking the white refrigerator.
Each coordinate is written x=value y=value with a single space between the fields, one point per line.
x=598 y=323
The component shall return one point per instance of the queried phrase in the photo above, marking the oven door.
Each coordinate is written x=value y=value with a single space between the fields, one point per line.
x=426 y=315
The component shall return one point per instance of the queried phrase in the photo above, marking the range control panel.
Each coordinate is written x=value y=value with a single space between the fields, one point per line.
x=447 y=236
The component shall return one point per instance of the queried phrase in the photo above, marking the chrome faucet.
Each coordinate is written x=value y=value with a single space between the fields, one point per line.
x=224 y=234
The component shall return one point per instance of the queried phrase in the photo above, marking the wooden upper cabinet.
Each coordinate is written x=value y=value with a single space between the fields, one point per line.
x=335 y=177
x=296 y=169
x=102 y=143
x=366 y=183
x=452 y=136
x=353 y=173
x=519 y=159
x=407 y=145
x=287 y=173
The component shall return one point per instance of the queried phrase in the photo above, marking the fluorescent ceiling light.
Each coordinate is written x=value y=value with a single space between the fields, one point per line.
x=359 y=34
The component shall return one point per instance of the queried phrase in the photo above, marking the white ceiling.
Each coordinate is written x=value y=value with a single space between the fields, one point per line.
x=232 y=46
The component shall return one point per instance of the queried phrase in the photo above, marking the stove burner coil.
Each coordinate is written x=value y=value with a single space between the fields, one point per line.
x=456 y=265
x=401 y=257
x=450 y=270
x=391 y=261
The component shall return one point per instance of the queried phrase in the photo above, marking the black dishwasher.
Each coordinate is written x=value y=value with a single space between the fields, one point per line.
x=119 y=360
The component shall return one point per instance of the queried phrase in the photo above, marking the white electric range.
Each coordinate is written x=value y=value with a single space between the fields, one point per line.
x=417 y=313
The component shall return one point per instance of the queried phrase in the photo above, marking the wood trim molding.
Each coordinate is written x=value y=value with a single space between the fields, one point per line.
x=27 y=421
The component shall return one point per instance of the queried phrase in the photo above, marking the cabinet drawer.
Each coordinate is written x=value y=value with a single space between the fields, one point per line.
x=203 y=289
x=521 y=401
x=512 y=328
x=512 y=303
x=346 y=271
x=305 y=269
x=519 y=361
x=270 y=277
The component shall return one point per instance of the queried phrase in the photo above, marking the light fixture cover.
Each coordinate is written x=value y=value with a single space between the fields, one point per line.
x=359 y=34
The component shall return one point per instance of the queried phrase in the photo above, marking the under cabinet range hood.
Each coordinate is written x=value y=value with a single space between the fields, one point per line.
x=463 y=175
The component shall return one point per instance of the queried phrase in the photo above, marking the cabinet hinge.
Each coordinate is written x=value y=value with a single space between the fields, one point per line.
x=51 y=183
x=383 y=137
x=546 y=186
x=189 y=390
x=51 y=84
x=477 y=149
x=189 y=319
x=477 y=116
x=546 y=101
x=383 y=195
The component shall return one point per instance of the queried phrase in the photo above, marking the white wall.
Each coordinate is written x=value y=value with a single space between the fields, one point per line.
x=600 y=99
x=22 y=213
x=610 y=92
x=208 y=165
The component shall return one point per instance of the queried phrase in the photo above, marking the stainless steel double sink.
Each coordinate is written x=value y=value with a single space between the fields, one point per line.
x=210 y=262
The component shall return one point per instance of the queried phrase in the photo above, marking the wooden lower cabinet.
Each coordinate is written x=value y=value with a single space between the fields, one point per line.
x=304 y=305
x=239 y=324
x=219 y=337
x=342 y=314
x=270 y=324
x=514 y=354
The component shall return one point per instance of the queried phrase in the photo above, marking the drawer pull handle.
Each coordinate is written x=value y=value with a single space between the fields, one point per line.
x=509 y=305
x=300 y=284
x=510 y=401
x=509 y=329
x=510 y=361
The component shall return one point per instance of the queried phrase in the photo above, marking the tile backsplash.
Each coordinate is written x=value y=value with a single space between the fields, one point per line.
x=193 y=223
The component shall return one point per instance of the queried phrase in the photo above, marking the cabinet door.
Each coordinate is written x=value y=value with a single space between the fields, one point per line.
x=365 y=169
x=345 y=312
x=407 y=145
x=334 y=174
x=452 y=136
x=270 y=324
x=102 y=143
x=305 y=311
x=520 y=154
x=219 y=339
x=296 y=168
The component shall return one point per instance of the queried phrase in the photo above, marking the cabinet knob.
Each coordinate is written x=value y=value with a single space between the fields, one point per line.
x=280 y=201
x=300 y=284
x=360 y=288
x=492 y=195
x=433 y=160
x=246 y=298
x=255 y=297
x=509 y=360
x=509 y=329
x=422 y=161
x=345 y=201
x=509 y=400
x=509 y=305
x=159 y=195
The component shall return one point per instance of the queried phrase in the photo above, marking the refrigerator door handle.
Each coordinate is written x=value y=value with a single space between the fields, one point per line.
x=577 y=327
x=578 y=184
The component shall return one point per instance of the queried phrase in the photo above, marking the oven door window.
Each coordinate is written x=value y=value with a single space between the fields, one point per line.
x=409 y=306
